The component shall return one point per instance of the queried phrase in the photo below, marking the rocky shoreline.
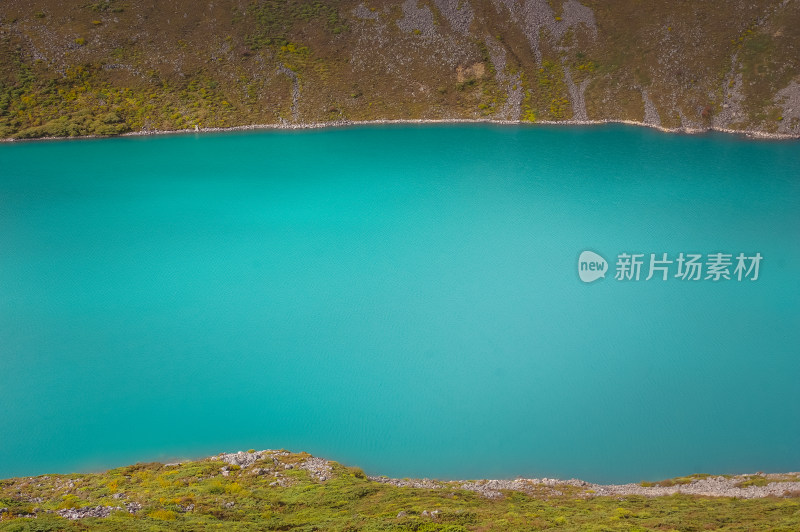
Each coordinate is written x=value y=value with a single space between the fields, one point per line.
x=742 y=486
x=224 y=485
x=775 y=485
x=94 y=69
x=752 y=134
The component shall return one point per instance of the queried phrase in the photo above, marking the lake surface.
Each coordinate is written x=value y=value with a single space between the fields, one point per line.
x=401 y=298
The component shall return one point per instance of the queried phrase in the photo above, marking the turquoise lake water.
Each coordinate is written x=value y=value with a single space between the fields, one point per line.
x=401 y=298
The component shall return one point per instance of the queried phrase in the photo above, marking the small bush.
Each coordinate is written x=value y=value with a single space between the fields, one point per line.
x=163 y=515
x=623 y=513
x=467 y=84
x=69 y=501
x=753 y=481
x=357 y=472
x=215 y=489
x=233 y=488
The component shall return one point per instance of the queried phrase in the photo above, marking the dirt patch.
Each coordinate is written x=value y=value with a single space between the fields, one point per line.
x=473 y=71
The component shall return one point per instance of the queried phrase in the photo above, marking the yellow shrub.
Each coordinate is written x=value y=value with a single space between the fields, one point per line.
x=233 y=487
x=163 y=515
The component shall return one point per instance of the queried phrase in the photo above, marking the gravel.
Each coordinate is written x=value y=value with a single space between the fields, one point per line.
x=576 y=93
x=364 y=13
x=458 y=13
x=417 y=19
x=319 y=468
x=242 y=459
x=283 y=69
x=788 y=99
x=537 y=15
x=732 y=96
x=510 y=83
x=651 y=116
x=715 y=486
x=97 y=511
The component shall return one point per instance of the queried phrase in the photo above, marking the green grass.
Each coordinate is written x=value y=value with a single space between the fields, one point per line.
x=758 y=480
x=677 y=481
x=276 y=20
x=196 y=496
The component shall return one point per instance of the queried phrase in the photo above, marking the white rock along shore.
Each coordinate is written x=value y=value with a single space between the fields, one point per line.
x=349 y=123
x=778 y=485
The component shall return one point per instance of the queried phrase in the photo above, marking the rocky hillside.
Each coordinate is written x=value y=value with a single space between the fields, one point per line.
x=280 y=490
x=76 y=67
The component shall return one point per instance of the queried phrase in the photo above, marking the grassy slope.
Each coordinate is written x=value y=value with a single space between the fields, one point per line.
x=349 y=501
x=73 y=67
